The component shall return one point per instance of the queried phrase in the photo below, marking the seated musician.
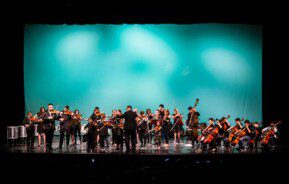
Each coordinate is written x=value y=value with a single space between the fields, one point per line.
x=142 y=128
x=272 y=138
x=166 y=126
x=29 y=122
x=246 y=137
x=223 y=133
x=255 y=136
x=206 y=132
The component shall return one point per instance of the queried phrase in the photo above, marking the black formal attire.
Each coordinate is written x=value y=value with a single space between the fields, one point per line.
x=30 y=132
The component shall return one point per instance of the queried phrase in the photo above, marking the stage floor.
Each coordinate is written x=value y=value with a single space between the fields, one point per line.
x=182 y=148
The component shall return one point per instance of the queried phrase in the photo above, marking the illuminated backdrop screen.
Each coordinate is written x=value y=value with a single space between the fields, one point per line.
x=112 y=66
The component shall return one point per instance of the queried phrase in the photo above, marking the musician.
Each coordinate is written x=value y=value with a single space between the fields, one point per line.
x=161 y=110
x=119 y=131
x=65 y=126
x=113 y=120
x=274 y=137
x=49 y=121
x=166 y=125
x=76 y=127
x=150 y=116
x=178 y=125
x=129 y=128
x=29 y=122
x=206 y=132
x=192 y=123
x=142 y=128
x=158 y=135
x=246 y=137
x=255 y=136
x=223 y=133
x=102 y=128
x=93 y=134
x=41 y=128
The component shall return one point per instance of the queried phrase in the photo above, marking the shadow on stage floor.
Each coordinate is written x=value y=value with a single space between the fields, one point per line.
x=19 y=165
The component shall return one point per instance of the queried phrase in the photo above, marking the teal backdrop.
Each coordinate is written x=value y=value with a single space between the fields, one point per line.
x=144 y=65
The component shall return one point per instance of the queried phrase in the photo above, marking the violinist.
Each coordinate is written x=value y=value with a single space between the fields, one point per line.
x=76 y=126
x=102 y=128
x=245 y=136
x=166 y=125
x=49 y=121
x=142 y=127
x=41 y=128
x=158 y=135
x=150 y=116
x=113 y=120
x=161 y=111
x=93 y=134
x=29 y=122
x=178 y=125
x=119 y=131
x=192 y=123
x=65 y=118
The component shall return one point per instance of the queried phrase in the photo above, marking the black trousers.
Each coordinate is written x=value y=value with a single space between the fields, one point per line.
x=49 y=137
x=64 y=131
x=119 y=141
x=130 y=138
x=166 y=135
x=77 y=130
x=30 y=138
x=143 y=137
x=114 y=136
x=103 y=141
x=91 y=139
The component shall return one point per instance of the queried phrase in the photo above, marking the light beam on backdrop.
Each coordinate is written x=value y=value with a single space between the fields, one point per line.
x=112 y=66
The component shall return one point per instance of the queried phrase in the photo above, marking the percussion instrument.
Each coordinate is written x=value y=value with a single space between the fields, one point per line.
x=12 y=133
x=22 y=131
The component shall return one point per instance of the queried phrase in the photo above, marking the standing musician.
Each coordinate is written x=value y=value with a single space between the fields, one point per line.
x=246 y=135
x=142 y=128
x=161 y=110
x=119 y=131
x=49 y=121
x=95 y=117
x=192 y=124
x=113 y=120
x=178 y=125
x=166 y=125
x=65 y=118
x=150 y=116
x=29 y=122
x=102 y=128
x=129 y=128
x=76 y=126
x=41 y=128
x=158 y=135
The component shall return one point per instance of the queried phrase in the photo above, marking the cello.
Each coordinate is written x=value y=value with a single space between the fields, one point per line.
x=233 y=130
x=265 y=140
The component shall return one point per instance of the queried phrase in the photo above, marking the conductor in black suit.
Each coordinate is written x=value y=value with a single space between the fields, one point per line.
x=129 y=128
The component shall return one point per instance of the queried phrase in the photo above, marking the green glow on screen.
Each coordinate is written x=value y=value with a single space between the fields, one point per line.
x=112 y=66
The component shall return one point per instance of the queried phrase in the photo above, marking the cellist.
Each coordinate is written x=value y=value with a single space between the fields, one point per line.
x=224 y=124
x=273 y=130
x=246 y=137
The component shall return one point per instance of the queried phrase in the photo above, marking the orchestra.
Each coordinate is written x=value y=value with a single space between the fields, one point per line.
x=145 y=129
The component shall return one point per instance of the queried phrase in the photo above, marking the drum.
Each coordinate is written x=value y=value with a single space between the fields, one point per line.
x=35 y=130
x=12 y=132
x=22 y=132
